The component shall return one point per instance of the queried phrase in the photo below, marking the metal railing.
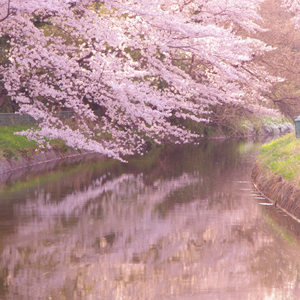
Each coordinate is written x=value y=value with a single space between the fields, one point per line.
x=9 y=119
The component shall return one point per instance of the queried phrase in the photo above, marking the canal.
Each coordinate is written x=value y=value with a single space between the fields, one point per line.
x=180 y=223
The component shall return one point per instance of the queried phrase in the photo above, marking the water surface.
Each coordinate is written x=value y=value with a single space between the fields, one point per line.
x=179 y=223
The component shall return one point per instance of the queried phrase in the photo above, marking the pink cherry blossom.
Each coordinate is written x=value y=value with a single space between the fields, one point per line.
x=141 y=62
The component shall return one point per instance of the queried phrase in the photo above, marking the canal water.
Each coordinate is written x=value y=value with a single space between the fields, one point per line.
x=177 y=223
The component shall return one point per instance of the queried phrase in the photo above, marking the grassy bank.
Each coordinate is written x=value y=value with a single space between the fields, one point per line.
x=277 y=173
x=282 y=157
x=13 y=146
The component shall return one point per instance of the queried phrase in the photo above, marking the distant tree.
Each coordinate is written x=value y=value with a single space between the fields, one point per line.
x=284 y=59
x=142 y=63
x=294 y=7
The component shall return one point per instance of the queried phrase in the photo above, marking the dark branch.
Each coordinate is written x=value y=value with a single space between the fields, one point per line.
x=85 y=57
x=8 y=13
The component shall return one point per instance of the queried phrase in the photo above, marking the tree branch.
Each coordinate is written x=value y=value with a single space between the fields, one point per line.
x=8 y=12
x=89 y=55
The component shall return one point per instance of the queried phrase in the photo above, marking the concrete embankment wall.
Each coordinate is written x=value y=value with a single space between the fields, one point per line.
x=38 y=158
x=282 y=192
x=42 y=162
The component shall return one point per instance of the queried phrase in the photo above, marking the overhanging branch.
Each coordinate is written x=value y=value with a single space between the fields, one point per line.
x=8 y=13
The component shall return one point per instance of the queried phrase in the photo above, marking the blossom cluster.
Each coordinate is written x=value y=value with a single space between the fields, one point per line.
x=142 y=63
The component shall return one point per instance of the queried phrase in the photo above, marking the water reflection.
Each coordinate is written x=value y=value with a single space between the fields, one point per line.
x=179 y=223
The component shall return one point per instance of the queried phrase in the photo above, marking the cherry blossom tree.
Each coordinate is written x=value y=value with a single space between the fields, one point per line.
x=141 y=63
x=293 y=6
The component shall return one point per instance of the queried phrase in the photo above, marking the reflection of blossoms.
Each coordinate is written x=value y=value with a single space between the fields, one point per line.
x=139 y=236
x=127 y=187
x=127 y=206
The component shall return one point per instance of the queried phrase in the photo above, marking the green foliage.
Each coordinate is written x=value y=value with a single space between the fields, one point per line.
x=282 y=156
x=4 y=47
x=6 y=106
x=134 y=53
x=194 y=126
x=5 y=103
x=160 y=83
x=38 y=20
x=59 y=145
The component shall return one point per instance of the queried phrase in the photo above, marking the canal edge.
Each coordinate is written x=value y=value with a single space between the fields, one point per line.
x=281 y=192
x=23 y=162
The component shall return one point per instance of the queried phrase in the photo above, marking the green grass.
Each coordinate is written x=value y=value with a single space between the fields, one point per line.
x=59 y=145
x=13 y=146
x=282 y=156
